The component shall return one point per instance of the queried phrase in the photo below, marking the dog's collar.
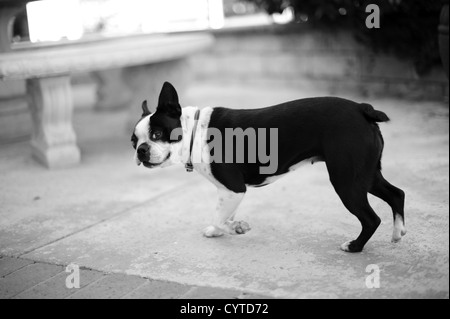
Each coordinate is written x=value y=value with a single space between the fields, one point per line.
x=189 y=166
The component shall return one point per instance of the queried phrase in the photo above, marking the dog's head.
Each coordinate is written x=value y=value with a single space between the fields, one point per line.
x=155 y=134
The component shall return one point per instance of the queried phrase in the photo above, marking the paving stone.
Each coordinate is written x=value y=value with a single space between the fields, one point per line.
x=158 y=290
x=252 y=296
x=211 y=293
x=55 y=288
x=9 y=265
x=109 y=287
x=25 y=278
x=262 y=257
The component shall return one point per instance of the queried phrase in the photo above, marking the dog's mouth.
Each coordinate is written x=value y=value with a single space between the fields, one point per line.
x=151 y=165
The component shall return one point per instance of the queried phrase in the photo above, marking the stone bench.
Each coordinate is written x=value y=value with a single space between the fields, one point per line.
x=47 y=71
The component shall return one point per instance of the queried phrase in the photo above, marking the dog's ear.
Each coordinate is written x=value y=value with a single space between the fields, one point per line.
x=168 y=101
x=145 y=110
x=168 y=95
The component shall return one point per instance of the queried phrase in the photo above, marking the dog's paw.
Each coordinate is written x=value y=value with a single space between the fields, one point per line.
x=399 y=229
x=240 y=227
x=398 y=234
x=351 y=247
x=212 y=231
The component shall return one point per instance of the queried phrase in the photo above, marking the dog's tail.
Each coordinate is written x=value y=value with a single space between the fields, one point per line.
x=373 y=115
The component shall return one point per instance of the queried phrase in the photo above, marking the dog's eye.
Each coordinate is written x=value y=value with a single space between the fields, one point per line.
x=156 y=135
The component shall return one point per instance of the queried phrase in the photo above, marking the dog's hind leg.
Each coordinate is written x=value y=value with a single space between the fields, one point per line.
x=352 y=187
x=357 y=203
x=395 y=197
x=226 y=210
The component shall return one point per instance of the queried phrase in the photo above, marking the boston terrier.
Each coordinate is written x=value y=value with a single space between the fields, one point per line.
x=342 y=133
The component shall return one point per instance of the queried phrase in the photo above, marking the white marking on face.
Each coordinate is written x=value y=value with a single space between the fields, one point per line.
x=179 y=151
x=141 y=130
x=158 y=150
x=141 y=133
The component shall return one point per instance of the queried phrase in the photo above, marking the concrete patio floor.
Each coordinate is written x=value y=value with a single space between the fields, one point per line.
x=111 y=216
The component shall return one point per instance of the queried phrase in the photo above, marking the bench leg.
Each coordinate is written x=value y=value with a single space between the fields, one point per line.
x=53 y=141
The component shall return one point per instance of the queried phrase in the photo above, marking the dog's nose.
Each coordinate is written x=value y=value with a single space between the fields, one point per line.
x=143 y=149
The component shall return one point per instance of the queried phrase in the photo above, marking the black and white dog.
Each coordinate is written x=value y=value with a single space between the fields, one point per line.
x=343 y=134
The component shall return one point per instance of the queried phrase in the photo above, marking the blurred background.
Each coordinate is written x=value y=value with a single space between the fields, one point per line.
x=309 y=43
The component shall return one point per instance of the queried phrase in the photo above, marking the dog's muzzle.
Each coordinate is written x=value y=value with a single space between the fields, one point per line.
x=143 y=152
x=143 y=156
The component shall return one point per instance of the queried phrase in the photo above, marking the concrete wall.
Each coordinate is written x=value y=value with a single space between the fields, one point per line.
x=302 y=56
x=15 y=116
x=293 y=56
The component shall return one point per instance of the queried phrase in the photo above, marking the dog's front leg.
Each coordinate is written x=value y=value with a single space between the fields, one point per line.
x=226 y=209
